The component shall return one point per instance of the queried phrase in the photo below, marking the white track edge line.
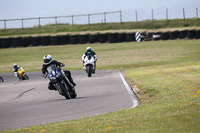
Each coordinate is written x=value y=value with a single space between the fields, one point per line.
x=130 y=91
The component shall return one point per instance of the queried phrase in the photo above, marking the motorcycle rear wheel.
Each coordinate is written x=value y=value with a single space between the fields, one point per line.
x=73 y=93
x=25 y=77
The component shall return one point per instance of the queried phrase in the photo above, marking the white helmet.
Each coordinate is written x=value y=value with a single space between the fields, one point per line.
x=89 y=49
x=15 y=65
x=47 y=59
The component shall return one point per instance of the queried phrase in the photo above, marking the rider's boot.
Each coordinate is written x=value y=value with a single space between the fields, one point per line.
x=68 y=75
x=71 y=80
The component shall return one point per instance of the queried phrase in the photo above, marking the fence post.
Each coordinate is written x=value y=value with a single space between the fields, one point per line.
x=105 y=17
x=166 y=14
x=197 y=13
x=183 y=13
x=39 y=21
x=101 y=24
x=89 y=19
x=5 y=24
x=120 y=16
x=136 y=16
x=56 y=20
x=152 y=14
x=72 y=20
x=22 y=24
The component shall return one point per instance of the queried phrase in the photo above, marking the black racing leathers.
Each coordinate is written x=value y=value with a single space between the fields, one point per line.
x=91 y=53
x=44 y=67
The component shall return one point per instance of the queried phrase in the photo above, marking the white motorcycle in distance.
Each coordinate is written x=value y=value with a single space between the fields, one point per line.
x=89 y=65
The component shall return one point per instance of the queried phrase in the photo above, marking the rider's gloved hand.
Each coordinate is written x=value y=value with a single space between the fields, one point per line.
x=44 y=75
x=62 y=64
x=15 y=74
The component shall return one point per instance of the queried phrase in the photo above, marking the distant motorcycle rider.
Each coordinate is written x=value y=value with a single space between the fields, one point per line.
x=15 y=69
x=48 y=61
x=89 y=52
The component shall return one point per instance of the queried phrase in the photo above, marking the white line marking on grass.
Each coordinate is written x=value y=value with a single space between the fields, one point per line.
x=130 y=91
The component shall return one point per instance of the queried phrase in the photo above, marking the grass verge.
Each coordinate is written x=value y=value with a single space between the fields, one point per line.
x=166 y=72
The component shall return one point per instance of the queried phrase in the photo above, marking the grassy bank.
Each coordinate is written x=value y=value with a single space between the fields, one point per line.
x=60 y=28
x=166 y=72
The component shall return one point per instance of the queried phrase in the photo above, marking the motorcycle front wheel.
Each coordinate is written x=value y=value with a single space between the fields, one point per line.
x=65 y=92
x=89 y=70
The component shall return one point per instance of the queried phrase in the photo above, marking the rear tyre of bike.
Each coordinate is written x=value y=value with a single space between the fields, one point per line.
x=25 y=77
x=65 y=92
x=1 y=79
x=89 y=71
x=73 y=93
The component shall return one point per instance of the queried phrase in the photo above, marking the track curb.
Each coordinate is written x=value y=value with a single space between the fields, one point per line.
x=131 y=92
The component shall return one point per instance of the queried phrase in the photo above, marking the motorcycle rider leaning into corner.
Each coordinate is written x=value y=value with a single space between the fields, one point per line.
x=48 y=61
x=15 y=69
x=89 y=52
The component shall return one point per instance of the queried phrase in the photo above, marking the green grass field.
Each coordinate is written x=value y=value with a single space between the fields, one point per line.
x=167 y=74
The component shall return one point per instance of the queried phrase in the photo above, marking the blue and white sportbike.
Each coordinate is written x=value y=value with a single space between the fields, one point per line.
x=61 y=82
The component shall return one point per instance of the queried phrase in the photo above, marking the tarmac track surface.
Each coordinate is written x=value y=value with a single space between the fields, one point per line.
x=28 y=103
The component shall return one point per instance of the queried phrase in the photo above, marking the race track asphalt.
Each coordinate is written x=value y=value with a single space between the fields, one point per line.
x=28 y=103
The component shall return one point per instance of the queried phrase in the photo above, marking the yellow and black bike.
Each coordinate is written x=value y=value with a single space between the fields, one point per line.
x=21 y=74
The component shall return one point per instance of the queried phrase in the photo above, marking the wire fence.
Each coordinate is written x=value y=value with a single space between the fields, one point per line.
x=60 y=19
x=77 y=19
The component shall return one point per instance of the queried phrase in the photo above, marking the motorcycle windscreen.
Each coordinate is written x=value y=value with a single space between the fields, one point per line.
x=51 y=68
x=89 y=57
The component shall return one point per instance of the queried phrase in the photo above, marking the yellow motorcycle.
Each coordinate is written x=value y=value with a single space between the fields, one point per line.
x=21 y=74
